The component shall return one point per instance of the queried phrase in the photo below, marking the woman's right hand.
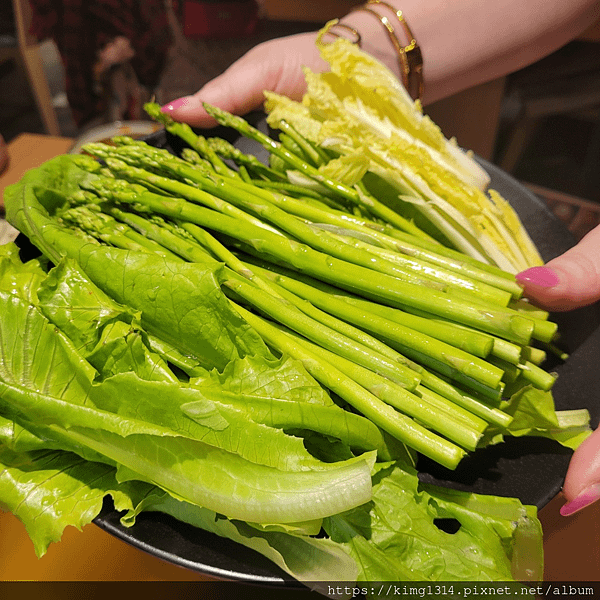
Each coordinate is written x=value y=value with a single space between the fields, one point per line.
x=276 y=65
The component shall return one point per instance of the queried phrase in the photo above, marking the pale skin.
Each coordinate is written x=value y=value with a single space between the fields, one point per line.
x=464 y=43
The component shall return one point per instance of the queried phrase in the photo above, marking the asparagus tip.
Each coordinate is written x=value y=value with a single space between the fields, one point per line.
x=154 y=111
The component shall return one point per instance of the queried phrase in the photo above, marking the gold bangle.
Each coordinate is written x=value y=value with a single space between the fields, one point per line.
x=329 y=30
x=413 y=54
x=410 y=59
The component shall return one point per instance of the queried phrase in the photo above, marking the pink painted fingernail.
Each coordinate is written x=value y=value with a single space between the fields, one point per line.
x=543 y=277
x=588 y=496
x=174 y=105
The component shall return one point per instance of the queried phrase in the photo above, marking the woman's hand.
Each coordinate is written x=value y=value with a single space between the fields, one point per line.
x=582 y=483
x=276 y=65
x=570 y=281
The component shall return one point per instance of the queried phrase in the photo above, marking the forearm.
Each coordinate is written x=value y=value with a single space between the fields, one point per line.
x=467 y=42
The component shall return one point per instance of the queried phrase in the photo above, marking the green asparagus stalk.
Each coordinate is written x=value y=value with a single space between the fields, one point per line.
x=537 y=376
x=556 y=351
x=276 y=148
x=482 y=290
x=258 y=202
x=315 y=154
x=456 y=361
x=456 y=396
x=228 y=151
x=535 y=355
x=504 y=323
x=370 y=204
x=186 y=249
x=132 y=173
x=438 y=417
x=384 y=416
x=109 y=231
x=429 y=380
x=349 y=223
x=187 y=134
x=379 y=385
x=246 y=200
x=287 y=314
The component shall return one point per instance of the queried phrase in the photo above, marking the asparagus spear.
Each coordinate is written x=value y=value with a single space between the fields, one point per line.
x=387 y=418
x=248 y=199
x=229 y=151
x=371 y=205
x=438 y=417
x=458 y=363
x=429 y=380
x=505 y=323
x=265 y=208
x=108 y=230
x=130 y=172
x=316 y=154
x=458 y=425
x=185 y=249
x=287 y=314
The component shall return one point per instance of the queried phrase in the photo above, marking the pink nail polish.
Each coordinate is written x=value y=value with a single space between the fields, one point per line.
x=588 y=496
x=174 y=105
x=543 y=277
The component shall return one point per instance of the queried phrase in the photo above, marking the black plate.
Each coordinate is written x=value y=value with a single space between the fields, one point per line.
x=531 y=469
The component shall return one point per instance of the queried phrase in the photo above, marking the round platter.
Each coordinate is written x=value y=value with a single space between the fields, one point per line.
x=531 y=469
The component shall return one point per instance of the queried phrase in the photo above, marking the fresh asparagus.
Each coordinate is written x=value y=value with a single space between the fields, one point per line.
x=505 y=323
x=396 y=424
x=348 y=302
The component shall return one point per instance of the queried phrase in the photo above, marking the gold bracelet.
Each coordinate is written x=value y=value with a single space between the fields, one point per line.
x=410 y=59
x=329 y=30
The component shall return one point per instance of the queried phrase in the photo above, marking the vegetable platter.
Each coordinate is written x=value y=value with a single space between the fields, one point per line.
x=321 y=356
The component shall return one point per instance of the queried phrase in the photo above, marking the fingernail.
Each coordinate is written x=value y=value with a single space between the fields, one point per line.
x=174 y=105
x=543 y=277
x=585 y=498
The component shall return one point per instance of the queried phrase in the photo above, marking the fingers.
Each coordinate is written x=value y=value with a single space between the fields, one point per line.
x=582 y=483
x=276 y=65
x=237 y=91
x=569 y=281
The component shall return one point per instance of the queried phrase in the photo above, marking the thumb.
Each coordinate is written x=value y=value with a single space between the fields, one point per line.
x=233 y=91
x=569 y=281
x=276 y=65
x=582 y=483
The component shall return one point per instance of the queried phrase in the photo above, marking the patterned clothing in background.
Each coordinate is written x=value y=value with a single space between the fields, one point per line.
x=81 y=28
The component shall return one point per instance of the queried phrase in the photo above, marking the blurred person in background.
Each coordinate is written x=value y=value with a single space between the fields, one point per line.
x=113 y=52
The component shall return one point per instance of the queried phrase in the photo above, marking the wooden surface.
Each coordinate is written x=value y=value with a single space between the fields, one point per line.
x=572 y=544
x=30 y=150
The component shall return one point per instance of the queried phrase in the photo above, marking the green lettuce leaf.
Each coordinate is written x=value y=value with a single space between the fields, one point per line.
x=534 y=414
x=49 y=490
x=281 y=395
x=179 y=302
x=47 y=388
x=106 y=333
x=400 y=535
x=306 y=558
